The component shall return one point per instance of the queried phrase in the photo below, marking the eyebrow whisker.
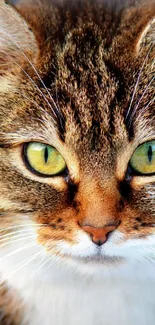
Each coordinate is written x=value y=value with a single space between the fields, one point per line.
x=146 y=107
x=137 y=82
x=35 y=70
x=137 y=105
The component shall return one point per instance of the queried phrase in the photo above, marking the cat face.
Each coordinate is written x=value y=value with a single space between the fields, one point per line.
x=77 y=136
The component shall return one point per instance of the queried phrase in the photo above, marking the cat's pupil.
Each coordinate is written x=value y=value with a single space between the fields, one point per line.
x=46 y=155
x=150 y=154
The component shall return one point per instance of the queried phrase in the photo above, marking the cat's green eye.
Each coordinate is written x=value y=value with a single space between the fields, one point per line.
x=143 y=159
x=44 y=159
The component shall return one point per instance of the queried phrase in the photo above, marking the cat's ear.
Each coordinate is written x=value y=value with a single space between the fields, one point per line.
x=146 y=26
x=38 y=14
x=44 y=18
x=16 y=40
x=146 y=38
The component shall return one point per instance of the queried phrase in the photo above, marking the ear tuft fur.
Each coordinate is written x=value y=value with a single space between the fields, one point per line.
x=147 y=37
x=16 y=38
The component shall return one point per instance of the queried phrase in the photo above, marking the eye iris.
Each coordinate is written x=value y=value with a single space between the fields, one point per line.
x=44 y=159
x=143 y=159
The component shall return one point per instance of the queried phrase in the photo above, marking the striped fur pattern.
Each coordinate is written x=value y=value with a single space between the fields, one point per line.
x=79 y=76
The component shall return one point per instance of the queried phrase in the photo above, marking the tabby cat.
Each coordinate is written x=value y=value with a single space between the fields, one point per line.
x=77 y=162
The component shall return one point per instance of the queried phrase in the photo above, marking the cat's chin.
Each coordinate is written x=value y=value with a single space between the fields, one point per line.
x=112 y=255
x=85 y=252
x=98 y=265
x=95 y=262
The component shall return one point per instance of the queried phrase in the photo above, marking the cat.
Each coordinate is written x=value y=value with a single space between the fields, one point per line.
x=77 y=162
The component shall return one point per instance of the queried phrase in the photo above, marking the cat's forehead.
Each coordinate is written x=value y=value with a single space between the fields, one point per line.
x=96 y=62
x=52 y=20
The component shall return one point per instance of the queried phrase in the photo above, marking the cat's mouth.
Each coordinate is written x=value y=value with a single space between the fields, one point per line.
x=96 y=259
x=85 y=252
x=99 y=259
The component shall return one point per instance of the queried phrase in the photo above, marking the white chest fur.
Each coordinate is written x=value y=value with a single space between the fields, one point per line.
x=111 y=303
x=87 y=300
x=54 y=294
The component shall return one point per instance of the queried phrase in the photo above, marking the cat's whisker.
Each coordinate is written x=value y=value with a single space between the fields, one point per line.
x=143 y=260
x=151 y=248
x=137 y=82
x=18 y=213
x=38 y=106
x=45 y=113
x=16 y=240
x=152 y=252
x=146 y=107
x=18 y=250
x=142 y=96
x=10 y=236
x=150 y=259
x=15 y=233
x=20 y=266
x=24 y=225
x=12 y=231
x=37 y=74
x=147 y=249
x=56 y=94
x=17 y=20
x=39 y=267
x=33 y=82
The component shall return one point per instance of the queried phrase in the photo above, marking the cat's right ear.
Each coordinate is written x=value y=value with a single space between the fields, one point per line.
x=16 y=41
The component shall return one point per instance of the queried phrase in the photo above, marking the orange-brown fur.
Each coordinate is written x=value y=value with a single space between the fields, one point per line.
x=90 y=65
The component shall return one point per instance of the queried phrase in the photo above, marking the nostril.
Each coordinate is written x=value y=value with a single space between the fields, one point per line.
x=98 y=242
x=99 y=235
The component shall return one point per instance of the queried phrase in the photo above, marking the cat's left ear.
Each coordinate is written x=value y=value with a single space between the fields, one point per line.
x=17 y=44
x=44 y=18
x=38 y=14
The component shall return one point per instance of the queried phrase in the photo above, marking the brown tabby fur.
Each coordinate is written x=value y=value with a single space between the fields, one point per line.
x=89 y=55
x=10 y=307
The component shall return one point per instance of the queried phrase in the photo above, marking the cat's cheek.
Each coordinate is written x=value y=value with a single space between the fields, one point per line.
x=61 y=234
x=56 y=227
x=135 y=224
x=116 y=251
x=61 y=237
x=8 y=84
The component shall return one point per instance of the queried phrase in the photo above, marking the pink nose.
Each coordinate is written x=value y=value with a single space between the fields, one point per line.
x=99 y=235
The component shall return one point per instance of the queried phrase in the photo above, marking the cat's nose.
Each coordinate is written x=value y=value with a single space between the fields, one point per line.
x=99 y=235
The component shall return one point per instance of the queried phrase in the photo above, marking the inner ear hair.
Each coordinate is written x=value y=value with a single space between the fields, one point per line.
x=16 y=40
x=147 y=36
